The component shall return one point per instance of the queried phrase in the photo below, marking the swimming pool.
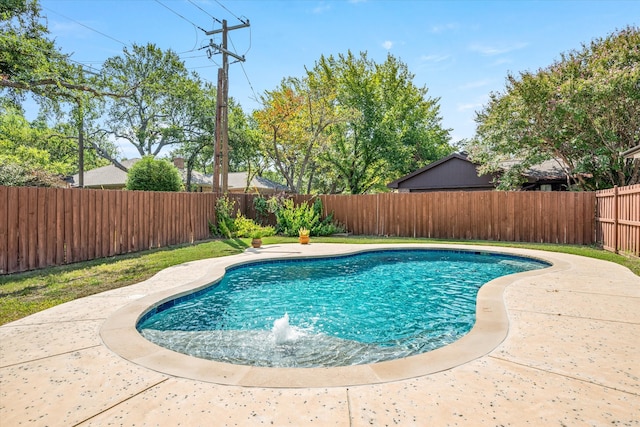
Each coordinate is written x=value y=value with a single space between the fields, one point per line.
x=337 y=311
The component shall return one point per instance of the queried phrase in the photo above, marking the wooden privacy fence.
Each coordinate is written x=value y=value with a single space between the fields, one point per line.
x=618 y=219
x=550 y=217
x=41 y=227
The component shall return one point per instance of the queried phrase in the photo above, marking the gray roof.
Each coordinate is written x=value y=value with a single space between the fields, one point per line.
x=238 y=181
x=106 y=176
x=113 y=177
x=547 y=170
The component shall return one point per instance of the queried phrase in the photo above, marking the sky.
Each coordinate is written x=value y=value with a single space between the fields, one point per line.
x=460 y=50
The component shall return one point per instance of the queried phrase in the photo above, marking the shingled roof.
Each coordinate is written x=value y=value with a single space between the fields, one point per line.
x=111 y=177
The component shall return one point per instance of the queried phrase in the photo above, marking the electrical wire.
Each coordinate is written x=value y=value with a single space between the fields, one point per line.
x=214 y=18
x=249 y=81
x=234 y=15
x=86 y=26
x=173 y=11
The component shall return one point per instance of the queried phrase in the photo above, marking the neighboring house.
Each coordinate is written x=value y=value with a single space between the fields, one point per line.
x=457 y=173
x=632 y=153
x=111 y=177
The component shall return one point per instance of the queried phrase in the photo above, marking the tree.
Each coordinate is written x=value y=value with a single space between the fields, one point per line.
x=583 y=109
x=244 y=143
x=392 y=126
x=35 y=145
x=154 y=114
x=295 y=123
x=150 y=174
x=350 y=124
x=29 y=60
x=198 y=134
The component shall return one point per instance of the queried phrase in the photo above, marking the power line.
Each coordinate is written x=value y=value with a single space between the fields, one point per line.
x=234 y=15
x=242 y=65
x=86 y=26
x=213 y=17
x=84 y=65
x=173 y=11
x=255 y=96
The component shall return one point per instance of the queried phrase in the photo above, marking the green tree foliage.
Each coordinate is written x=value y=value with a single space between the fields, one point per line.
x=292 y=130
x=154 y=113
x=350 y=125
x=197 y=135
x=584 y=109
x=150 y=174
x=392 y=127
x=35 y=146
x=29 y=60
x=13 y=174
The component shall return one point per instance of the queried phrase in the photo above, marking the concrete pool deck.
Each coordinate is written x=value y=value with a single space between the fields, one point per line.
x=569 y=355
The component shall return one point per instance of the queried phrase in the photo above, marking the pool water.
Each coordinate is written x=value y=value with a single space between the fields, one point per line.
x=338 y=311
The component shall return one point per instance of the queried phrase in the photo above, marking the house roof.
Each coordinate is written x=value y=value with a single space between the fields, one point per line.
x=113 y=177
x=548 y=170
x=238 y=181
x=632 y=153
x=105 y=176
x=454 y=172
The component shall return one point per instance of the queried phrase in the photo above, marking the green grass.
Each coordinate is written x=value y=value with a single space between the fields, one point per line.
x=27 y=293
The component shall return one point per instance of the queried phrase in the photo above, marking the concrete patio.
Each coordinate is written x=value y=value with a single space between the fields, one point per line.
x=565 y=352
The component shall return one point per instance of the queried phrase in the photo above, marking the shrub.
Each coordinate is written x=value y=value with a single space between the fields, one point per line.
x=150 y=174
x=240 y=226
x=14 y=175
x=291 y=218
x=224 y=226
x=262 y=209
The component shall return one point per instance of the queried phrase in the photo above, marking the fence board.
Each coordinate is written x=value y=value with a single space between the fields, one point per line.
x=4 y=225
x=40 y=227
x=617 y=219
x=50 y=233
x=31 y=227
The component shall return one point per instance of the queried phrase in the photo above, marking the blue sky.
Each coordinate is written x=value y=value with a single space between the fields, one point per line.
x=461 y=50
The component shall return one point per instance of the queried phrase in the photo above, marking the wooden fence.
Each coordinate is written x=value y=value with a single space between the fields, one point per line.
x=618 y=219
x=42 y=227
x=550 y=217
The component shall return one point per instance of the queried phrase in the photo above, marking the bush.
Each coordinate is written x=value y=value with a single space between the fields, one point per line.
x=290 y=218
x=150 y=174
x=262 y=210
x=224 y=226
x=14 y=175
x=240 y=226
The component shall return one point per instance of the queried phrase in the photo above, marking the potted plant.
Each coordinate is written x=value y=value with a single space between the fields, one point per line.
x=256 y=239
x=303 y=235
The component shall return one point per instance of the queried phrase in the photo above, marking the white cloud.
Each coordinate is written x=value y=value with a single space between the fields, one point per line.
x=321 y=8
x=434 y=58
x=388 y=44
x=442 y=28
x=488 y=50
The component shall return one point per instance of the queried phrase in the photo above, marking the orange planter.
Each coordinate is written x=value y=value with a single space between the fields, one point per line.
x=304 y=239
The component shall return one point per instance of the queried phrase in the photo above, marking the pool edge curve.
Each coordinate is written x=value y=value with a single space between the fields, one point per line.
x=120 y=335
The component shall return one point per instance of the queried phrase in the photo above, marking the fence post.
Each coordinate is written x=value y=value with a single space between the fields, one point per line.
x=615 y=219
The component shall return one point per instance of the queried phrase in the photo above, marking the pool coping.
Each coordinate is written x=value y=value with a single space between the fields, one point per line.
x=120 y=335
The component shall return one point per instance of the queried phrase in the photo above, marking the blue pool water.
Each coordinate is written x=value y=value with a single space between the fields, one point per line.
x=338 y=311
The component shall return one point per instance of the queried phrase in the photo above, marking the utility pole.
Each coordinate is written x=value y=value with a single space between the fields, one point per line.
x=221 y=147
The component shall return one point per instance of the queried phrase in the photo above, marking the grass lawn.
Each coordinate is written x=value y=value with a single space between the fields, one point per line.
x=27 y=293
